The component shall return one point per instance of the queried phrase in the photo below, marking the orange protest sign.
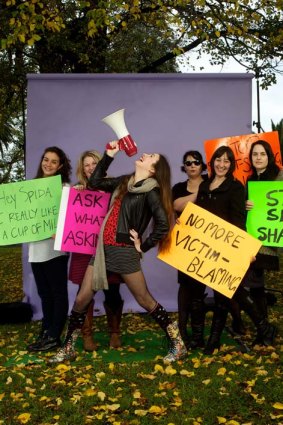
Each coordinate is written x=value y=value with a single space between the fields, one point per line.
x=211 y=250
x=241 y=145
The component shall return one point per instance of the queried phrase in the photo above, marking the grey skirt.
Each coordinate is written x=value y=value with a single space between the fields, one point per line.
x=122 y=259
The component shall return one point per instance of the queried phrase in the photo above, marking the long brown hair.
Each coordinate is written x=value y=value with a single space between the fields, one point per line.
x=163 y=176
x=64 y=170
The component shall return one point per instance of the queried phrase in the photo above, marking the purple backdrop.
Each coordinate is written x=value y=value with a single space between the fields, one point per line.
x=166 y=113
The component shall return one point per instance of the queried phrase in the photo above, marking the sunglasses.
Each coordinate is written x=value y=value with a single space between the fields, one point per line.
x=189 y=163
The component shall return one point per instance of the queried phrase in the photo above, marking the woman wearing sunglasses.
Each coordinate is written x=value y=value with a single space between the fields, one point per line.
x=189 y=288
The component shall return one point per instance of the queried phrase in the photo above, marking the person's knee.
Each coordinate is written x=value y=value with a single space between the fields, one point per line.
x=81 y=301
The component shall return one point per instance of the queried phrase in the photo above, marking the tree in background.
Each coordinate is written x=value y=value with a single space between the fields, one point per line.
x=279 y=127
x=132 y=36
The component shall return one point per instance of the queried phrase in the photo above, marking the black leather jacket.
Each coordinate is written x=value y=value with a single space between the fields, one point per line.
x=136 y=209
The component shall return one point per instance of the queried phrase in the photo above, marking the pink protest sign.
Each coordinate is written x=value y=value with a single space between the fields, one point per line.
x=80 y=218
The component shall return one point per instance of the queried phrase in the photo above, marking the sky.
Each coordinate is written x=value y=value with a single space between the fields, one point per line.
x=271 y=100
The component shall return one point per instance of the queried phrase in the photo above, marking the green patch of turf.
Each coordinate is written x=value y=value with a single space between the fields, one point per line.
x=145 y=345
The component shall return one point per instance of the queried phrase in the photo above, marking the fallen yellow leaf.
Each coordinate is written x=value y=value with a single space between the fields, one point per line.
x=101 y=395
x=187 y=373
x=278 y=405
x=140 y=412
x=170 y=370
x=24 y=418
x=158 y=368
x=62 y=367
x=90 y=392
x=221 y=371
x=157 y=410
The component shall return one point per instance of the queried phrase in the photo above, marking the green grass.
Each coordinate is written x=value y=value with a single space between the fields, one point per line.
x=11 y=281
x=228 y=387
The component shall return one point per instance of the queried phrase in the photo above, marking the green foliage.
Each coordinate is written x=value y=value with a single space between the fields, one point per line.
x=82 y=36
x=249 y=31
x=12 y=164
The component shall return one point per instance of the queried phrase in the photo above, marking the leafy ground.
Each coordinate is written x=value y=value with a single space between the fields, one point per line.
x=110 y=387
x=11 y=281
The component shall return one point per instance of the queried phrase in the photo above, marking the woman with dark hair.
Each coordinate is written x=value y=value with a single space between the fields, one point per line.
x=264 y=168
x=182 y=193
x=262 y=160
x=50 y=267
x=224 y=196
x=136 y=199
x=81 y=267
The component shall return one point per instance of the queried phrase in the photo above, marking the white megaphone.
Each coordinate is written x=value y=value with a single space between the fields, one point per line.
x=117 y=123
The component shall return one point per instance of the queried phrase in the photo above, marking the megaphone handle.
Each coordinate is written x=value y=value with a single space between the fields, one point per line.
x=108 y=146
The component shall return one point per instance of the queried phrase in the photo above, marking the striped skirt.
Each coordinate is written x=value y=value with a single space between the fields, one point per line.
x=122 y=259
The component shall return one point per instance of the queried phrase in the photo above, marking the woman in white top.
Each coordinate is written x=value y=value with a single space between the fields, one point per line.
x=50 y=267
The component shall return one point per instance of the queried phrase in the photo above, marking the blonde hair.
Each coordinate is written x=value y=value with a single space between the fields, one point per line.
x=81 y=177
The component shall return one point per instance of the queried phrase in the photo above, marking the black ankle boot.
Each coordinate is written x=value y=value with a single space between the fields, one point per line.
x=35 y=346
x=266 y=333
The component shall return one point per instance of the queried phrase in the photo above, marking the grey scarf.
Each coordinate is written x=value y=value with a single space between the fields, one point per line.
x=99 y=271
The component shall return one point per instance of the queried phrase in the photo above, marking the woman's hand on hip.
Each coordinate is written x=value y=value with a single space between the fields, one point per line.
x=135 y=238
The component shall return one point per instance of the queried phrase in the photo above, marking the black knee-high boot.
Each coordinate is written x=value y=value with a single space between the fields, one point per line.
x=184 y=309
x=197 y=324
x=259 y=297
x=217 y=326
x=266 y=332
x=67 y=352
x=177 y=348
x=237 y=322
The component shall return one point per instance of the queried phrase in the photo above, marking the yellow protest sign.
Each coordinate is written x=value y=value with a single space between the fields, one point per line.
x=211 y=250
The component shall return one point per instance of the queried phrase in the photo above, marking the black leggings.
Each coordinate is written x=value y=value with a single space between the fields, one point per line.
x=51 y=278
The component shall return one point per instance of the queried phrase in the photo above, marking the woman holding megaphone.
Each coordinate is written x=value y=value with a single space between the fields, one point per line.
x=137 y=199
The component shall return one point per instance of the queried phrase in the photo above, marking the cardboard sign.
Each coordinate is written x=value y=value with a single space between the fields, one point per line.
x=265 y=220
x=241 y=146
x=29 y=210
x=81 y=215
x=211 y=250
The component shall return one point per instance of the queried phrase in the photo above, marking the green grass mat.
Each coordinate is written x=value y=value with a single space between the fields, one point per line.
x=145 y=345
